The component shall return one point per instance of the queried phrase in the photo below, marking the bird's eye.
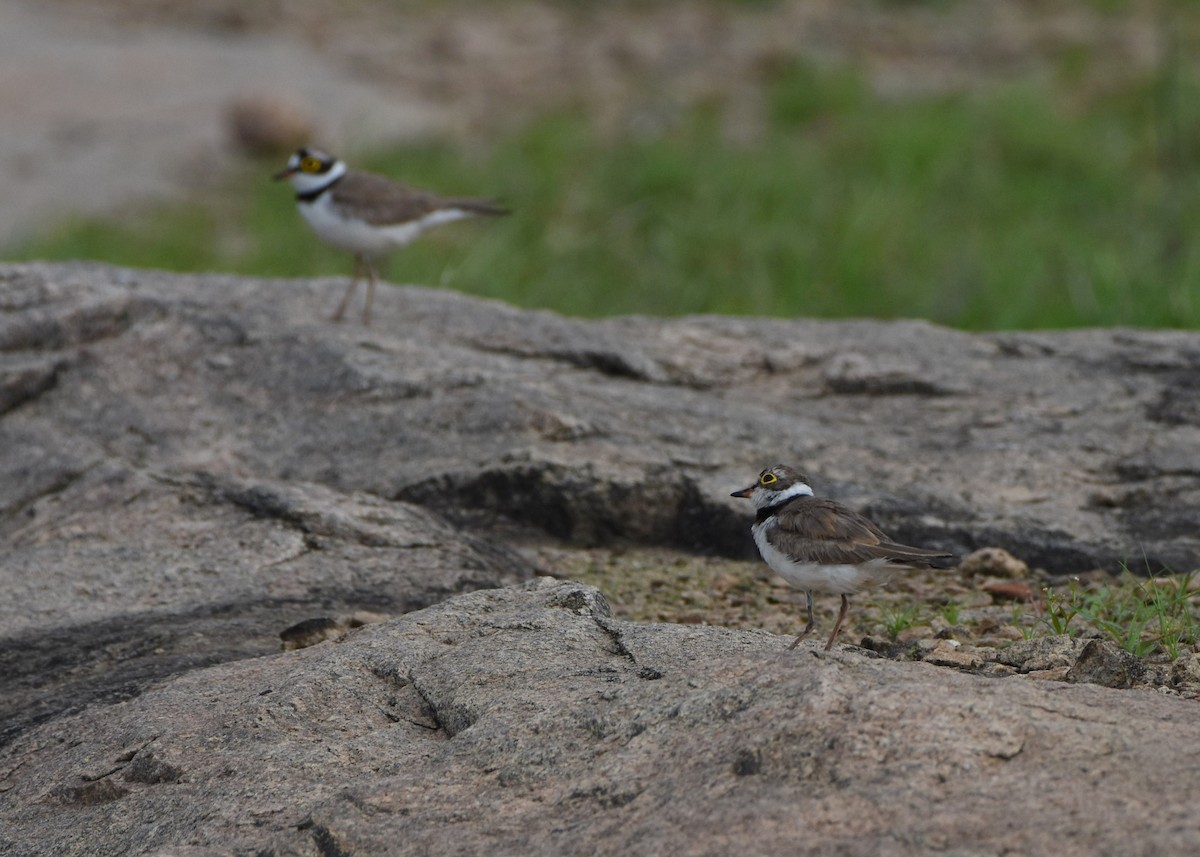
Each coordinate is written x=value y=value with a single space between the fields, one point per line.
x=310 y=165
x=768 y=479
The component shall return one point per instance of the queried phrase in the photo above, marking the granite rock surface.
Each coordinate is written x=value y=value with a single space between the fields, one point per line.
x=193 y=466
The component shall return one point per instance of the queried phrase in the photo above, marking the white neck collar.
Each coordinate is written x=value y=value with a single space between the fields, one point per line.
x=308 y=183
x=764 y=498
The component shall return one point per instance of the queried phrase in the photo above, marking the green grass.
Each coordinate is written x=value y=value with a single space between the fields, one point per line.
x=1001 y=208
x=1143 y=616
x=899 y=619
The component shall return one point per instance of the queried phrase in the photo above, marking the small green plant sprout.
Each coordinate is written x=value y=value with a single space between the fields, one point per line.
x=1018 y=621
x=1061 y=608
x=950 y=612
x=896 y=621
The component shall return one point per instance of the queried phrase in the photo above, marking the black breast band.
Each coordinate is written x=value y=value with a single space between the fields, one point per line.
x=767 y=511
x=311 y=195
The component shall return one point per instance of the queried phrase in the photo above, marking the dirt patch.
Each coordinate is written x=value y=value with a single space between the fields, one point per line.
x=490 y=59
x=950 y=618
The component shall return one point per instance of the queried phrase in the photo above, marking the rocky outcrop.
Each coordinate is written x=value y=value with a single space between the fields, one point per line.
x=528 y=721
x=1072 y=450
x=119 y=577
x=193 y=466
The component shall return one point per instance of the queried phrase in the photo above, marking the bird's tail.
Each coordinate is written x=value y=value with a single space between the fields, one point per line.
x=918 y=557
x=479 y=207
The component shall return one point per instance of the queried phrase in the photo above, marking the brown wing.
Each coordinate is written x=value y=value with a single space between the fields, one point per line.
x=825 y=531
x=382 y=202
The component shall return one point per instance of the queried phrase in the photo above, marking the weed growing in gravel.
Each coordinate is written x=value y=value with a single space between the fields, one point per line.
x=1143 y=616
x=900 y=619
x=1061 y=608
x=1020 y=623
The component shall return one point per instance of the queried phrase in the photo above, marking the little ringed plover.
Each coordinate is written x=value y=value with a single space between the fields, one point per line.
x=367 y=214
x=819 y=545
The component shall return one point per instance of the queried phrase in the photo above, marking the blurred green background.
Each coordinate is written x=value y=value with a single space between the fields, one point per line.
x=1028 y=203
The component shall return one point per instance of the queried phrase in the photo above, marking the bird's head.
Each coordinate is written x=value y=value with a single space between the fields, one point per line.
x=774 y=485
x=310 y=168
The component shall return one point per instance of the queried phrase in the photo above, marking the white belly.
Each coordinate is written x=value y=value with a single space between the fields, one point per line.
x=816 y=577
x=359 y=237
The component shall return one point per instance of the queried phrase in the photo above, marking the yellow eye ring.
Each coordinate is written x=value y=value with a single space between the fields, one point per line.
x=768 y=479
x=310 y=165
